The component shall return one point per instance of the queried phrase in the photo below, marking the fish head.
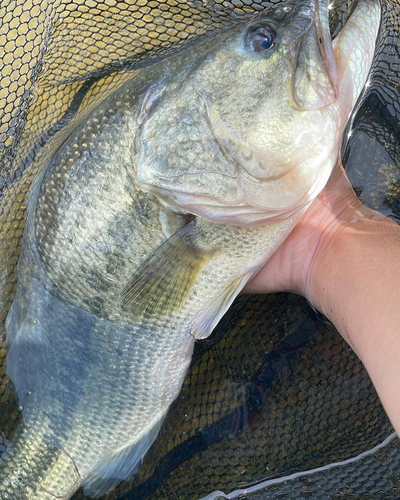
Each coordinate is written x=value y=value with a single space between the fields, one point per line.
x=250 y=129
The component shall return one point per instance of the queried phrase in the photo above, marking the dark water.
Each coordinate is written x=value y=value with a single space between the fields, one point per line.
x=279 y=392
x=275 y=393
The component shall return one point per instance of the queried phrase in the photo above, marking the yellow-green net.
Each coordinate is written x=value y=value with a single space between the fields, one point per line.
x=275 y=391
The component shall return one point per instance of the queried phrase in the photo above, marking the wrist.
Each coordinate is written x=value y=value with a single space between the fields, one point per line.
x=350 y=260
x=354 y=282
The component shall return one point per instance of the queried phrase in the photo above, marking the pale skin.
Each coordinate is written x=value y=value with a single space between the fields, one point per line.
x=345 y=258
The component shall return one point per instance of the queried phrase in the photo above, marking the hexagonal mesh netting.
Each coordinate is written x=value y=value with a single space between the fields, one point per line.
x=275 y=391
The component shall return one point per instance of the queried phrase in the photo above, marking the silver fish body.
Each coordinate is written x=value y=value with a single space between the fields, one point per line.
x=148 y=222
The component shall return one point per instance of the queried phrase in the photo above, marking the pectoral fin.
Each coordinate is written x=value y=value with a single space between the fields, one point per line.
x=163 y=281
x=207 y=320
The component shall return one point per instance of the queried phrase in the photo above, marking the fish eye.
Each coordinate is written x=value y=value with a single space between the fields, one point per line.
x=261 y=39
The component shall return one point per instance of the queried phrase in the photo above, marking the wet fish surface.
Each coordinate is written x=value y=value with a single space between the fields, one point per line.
x=148 y=222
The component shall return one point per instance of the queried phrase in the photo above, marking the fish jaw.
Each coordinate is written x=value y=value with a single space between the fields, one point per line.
x=353 y=60
x=262 y=150
x=315 y=82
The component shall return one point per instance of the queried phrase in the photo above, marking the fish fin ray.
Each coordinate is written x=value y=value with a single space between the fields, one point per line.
x=120 y=466
x=163 y=281
x=206 y=321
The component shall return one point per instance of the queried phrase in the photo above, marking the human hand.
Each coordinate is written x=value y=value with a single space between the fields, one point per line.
x=345 y=258
x=289 y=269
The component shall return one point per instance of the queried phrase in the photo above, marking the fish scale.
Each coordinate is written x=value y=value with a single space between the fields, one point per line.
x=42 y=104
x=99 y=408
x=90 y=402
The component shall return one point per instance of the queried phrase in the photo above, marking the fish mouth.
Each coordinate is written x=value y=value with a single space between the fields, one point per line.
x=316 y=82
x=342 y=17
x=325 y=39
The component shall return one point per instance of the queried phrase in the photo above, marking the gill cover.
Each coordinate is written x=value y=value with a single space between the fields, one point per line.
x=251 y=131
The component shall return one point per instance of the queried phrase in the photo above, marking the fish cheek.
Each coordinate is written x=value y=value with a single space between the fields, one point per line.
x=177 y=157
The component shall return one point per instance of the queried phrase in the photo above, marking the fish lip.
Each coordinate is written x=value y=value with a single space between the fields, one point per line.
x=325 y=40
x=319 y=31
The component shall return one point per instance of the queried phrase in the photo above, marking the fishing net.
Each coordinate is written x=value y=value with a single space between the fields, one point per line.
x=275 y=393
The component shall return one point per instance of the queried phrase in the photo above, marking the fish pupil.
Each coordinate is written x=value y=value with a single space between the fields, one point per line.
x=262 y=39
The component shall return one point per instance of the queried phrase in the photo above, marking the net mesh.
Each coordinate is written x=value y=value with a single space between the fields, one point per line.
x=59 y=59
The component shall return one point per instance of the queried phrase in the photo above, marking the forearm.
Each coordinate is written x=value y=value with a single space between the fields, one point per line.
x=355 y=281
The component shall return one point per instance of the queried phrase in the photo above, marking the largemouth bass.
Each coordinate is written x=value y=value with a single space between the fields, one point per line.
x=147 y=223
